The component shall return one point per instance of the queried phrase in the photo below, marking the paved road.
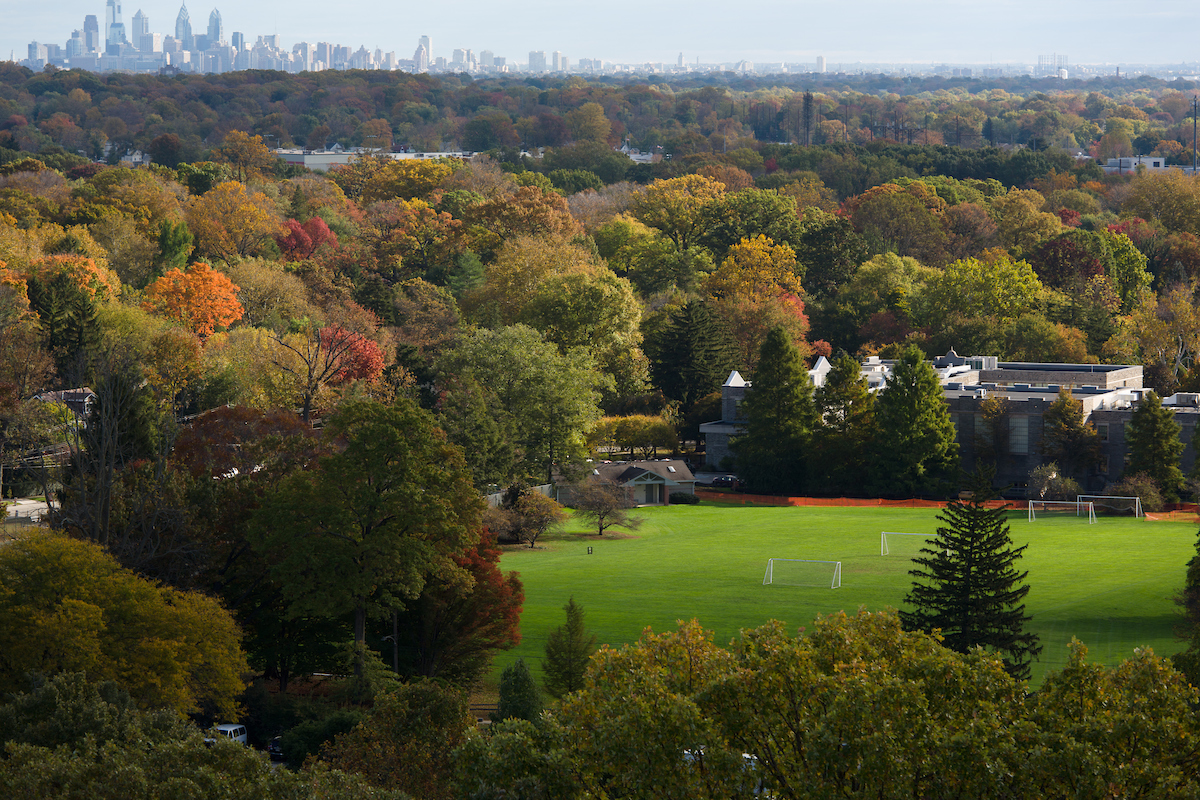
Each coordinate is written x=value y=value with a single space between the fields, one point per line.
x=25 y=509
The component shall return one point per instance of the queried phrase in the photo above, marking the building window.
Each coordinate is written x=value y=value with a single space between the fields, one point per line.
x=1104 y=465
x=1103 y=431
x=1018 y=434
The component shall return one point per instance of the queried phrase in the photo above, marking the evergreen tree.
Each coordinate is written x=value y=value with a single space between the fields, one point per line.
x=780 y=416
x=1154 y=446
x=569 y=649
x=1188 y=661
x=1066 y=438
x=846 y=419
x=692 y=355
x=915 y=448
x=968 y=587
x=519 y=695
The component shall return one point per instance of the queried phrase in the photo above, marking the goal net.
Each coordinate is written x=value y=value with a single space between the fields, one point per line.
x=1062 y=508
x=1125 y=506
x=803 y=572
x=910 y=545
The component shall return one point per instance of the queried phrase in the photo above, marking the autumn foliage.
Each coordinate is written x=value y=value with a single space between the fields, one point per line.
x=201 y=299
x=299 y=241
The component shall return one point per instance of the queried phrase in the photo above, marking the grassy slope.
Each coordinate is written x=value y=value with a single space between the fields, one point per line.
x=1108 y=584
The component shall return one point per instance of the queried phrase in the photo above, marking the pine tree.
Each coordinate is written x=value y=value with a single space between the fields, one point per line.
x=915 y=448
x=845 y=423
x=569 y=649
x=1154 y=446
x=968 y=587
x=519 y=695
x=692 y=355
x=1188 y=661
x=780 y=416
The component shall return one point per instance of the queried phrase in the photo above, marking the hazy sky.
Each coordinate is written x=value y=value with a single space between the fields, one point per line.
x=919 y=31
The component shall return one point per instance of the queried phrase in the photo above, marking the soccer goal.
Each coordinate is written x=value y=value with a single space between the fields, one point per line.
x=803 y=572
x=1058 y=508
x=884 y=550
x=1114 y=505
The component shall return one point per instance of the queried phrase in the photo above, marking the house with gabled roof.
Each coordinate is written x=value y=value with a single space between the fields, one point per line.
x=648 y=483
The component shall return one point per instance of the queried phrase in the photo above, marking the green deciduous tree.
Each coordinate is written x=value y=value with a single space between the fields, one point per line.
x=1066 y=438
x=967 y=586
x=1152 y=436
x=546 y=398
x=382 y=516
x=915 y=447
x=406 y=741
x=773 y=451
x=569 y=650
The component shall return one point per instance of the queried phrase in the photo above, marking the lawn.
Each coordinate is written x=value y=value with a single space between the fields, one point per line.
x=1109 y=584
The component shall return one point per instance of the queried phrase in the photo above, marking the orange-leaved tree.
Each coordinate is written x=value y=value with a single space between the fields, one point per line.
x=201 y=298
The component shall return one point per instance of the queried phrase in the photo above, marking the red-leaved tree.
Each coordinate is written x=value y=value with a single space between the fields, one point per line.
x=452 y=631
x=299 y=241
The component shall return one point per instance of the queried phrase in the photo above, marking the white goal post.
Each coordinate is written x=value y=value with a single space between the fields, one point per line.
x=1133 y=504
x=883 y=542
x=1076 y=507
x=788 y=575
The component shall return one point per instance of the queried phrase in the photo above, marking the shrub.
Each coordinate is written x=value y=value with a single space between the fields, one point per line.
x=684 y=498
x=1138 y=485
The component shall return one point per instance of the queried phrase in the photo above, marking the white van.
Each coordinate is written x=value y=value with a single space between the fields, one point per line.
x=231 y=731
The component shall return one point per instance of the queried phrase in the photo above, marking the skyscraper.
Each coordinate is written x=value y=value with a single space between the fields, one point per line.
x=91 y=33
x=427 y=43
x=141 y=26
x=183 y=28
x=537 y=60
x=421 y=58
x=114 y=30
x=216 y=31
x=820 y=63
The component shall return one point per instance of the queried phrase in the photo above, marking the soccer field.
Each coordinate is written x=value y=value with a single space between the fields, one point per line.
x=1109 y=584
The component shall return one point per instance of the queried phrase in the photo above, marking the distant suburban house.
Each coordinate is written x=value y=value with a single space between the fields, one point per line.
x=79 y=401
x=649 y=483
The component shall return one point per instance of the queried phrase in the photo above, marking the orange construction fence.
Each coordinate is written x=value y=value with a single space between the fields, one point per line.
x=1174 y=512
x=836 y=502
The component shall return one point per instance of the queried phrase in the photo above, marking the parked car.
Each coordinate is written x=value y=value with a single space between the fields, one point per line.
x=275 y=748
x=724 y=482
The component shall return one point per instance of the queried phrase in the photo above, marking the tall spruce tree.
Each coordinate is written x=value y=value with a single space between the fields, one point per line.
x=569 y=649
x=691 y=355
x=780 y=416
x=915 y=449
x=1188 y=661
x=845 y=425
x=1154 y=446
x=967 y=585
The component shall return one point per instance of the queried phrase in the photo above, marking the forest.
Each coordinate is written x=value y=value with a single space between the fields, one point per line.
x=254 y=370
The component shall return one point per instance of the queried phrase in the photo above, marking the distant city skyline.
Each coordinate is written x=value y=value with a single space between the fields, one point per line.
x=921 y=34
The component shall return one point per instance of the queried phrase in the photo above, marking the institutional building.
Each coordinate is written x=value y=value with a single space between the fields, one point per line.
x=1109 y=394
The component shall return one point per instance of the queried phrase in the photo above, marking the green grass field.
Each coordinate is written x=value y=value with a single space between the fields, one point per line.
x=1108 y=584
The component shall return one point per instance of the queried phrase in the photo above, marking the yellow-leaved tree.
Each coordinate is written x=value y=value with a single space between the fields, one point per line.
x=230 y=222
x=68 y=606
